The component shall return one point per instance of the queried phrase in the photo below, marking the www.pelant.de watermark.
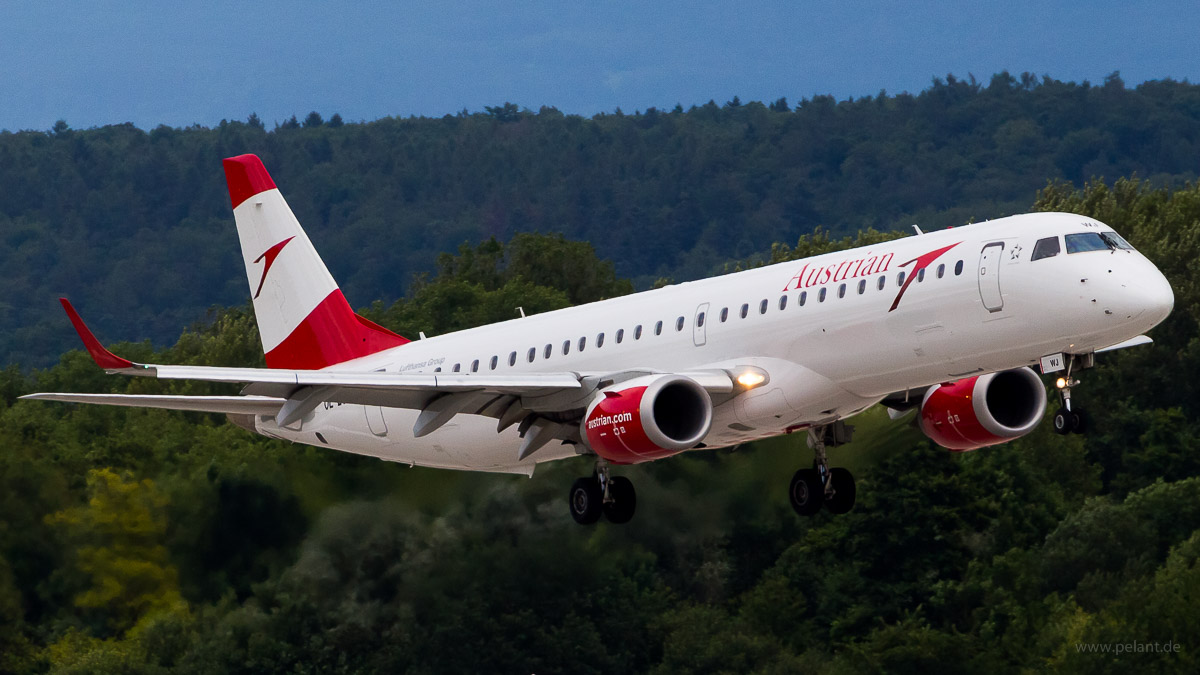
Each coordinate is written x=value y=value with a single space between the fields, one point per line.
x=1118 y=648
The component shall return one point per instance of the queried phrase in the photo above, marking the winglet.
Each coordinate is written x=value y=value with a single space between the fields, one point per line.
x=103 y=358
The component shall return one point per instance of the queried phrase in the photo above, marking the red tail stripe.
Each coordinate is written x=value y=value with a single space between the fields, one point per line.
x=331 y=334
x=246 y=177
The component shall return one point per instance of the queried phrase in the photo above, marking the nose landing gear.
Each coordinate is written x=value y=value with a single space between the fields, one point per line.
x=1068 y=419
x=819 y=486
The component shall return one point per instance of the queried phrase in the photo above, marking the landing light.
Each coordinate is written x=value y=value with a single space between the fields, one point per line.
x=1060 y=382
x=751 y=379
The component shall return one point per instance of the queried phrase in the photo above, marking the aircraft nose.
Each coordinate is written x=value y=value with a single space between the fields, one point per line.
x=1158 y=298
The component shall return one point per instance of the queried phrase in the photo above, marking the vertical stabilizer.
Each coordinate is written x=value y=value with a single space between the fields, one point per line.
x=303 y=318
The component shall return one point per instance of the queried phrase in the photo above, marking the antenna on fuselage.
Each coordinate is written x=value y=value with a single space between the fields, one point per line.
x=521 y=310
x=918 y=229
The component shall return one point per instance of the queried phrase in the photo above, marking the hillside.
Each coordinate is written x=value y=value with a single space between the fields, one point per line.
x=143 y=541
x=135 y=227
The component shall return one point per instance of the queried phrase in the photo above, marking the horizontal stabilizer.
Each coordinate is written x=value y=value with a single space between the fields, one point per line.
x=254 y=405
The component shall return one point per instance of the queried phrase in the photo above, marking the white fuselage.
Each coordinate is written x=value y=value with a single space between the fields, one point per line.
x=980 y=306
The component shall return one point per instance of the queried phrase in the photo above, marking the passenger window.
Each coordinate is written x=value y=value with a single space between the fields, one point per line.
x=762 y=306
x=700 y=320
x=782 y=302
x=637 y=332
x=842 y=291
x=862 y=286
x=658 y=328
x=882 y=281
x=920 y=275
x=679 y=324
x=438 y=369
x=620 y=335
x=512 y=359
x=803 y=298
x=941 y=270
x=599 y=341
x=745 y=310
x=566 y=347
x=821 y=295
x=475 y=366
x=495 y=362
x=958 y=268
x=532 y=354
x=900 y=279
x=724 y=314
x=1045 y=248
x=548 y=352
x=457 y=367
x=582 y=343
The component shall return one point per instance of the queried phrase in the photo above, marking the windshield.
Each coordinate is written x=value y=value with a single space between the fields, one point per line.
x=1085 y=241
x=1116 y=240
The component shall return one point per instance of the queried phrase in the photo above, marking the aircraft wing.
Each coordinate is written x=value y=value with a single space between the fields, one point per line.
x=261 y=405
x=289 y=395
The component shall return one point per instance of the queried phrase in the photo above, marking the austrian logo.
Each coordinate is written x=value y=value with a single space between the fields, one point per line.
x=268 y=258
x=865 y=266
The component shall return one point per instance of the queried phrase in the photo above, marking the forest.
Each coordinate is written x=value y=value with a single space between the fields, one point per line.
x=141 y=541
x=135 y=226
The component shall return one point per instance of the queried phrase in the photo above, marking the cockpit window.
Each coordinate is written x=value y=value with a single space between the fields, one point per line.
x=1116 y=240
x=1045 y=248
x=1087 y=241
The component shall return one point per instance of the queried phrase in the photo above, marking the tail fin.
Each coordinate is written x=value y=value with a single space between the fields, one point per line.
x=303 y=318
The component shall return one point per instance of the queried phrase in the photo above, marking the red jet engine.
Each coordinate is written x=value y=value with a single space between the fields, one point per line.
x=983 y=410
x=646 y=418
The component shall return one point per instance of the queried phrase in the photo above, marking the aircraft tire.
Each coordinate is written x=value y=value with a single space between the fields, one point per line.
x=842 y=499
x=624 y=501
x=1078 y=422
x=806 y=492
x=585 y=500
x=1062 y=422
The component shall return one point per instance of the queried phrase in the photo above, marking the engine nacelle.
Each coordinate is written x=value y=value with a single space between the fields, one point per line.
x=648 y=417
x=983 y=410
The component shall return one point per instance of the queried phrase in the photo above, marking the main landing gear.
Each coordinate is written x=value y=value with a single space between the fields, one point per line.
x=822 y=486
x=1068 y=419
x=602 y=494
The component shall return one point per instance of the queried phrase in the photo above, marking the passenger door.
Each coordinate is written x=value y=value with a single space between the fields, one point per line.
x=989 y=276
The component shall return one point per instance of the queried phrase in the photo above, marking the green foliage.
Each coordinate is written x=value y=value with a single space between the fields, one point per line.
x=118 y=540
x=134 y=225
x=489 y=282
x=148 y=541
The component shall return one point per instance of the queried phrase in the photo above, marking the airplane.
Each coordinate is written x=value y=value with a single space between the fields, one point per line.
x=947 y=323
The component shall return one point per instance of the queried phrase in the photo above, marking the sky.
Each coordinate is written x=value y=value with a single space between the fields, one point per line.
x=179 y=64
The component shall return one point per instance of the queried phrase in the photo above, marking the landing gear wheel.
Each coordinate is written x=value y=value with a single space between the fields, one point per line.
x=586 y=500
x=842 y=499
x=806 y=492
x=622 y=500
x=1064 y=421
x=1078 y=422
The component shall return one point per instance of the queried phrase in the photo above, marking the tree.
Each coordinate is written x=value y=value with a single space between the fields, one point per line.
x=119 y=549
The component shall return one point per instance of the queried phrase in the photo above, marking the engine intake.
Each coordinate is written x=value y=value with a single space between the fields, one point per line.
x=647 y=418
x=983 y=410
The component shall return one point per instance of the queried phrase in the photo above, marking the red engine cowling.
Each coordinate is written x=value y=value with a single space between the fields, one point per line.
x=647 y=418
x=983 y=410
